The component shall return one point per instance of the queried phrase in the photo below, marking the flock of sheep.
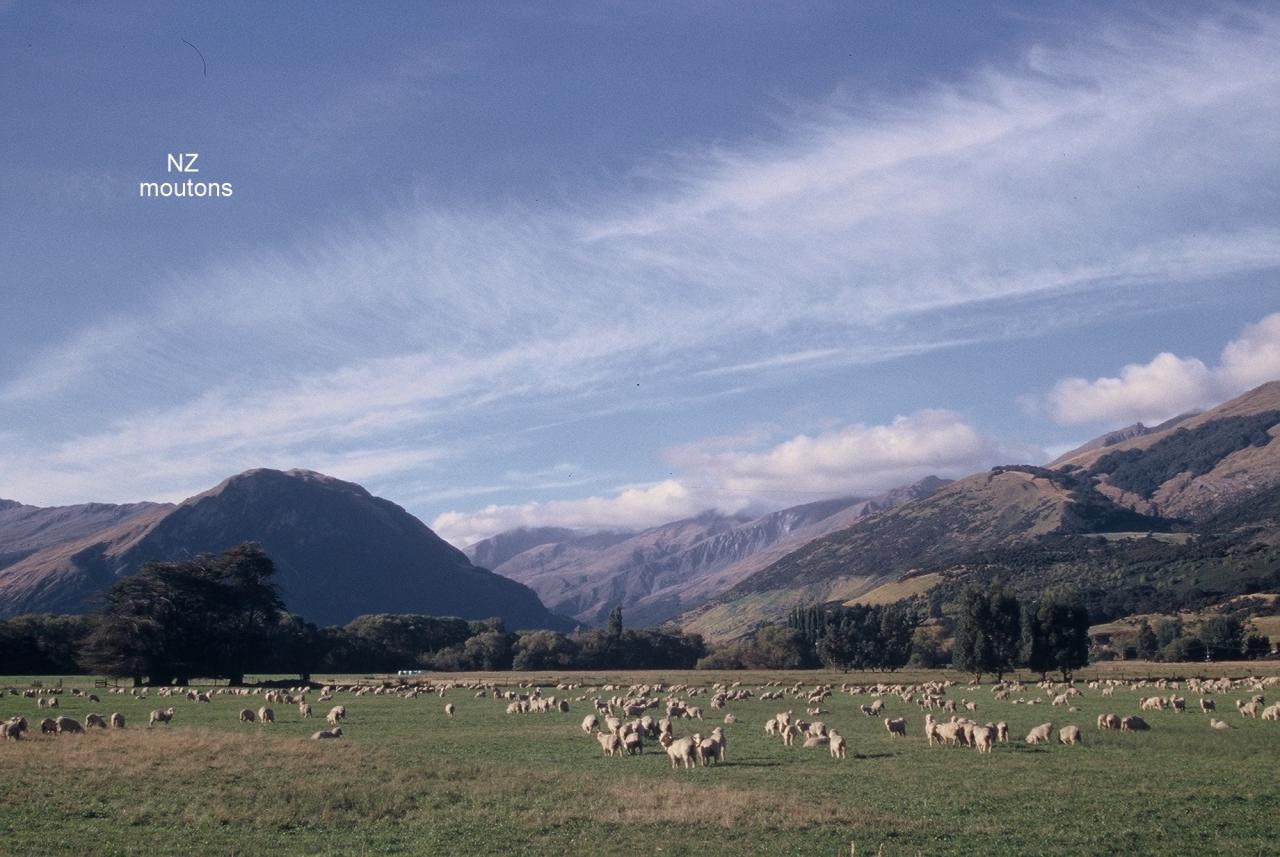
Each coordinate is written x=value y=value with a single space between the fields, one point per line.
x=622 y=720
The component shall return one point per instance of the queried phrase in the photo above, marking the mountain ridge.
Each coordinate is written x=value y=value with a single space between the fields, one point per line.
x=339 y=552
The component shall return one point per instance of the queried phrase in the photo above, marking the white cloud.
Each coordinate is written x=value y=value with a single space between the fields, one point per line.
x=731 y=474
x=1254 y=358
x=1148 y=392
x=631 y=508
x=1169 y=385
x=854 y=459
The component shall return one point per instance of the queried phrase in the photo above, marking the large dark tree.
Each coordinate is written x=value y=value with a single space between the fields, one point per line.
x=1146 y=644
x=1064 y=621
x=210 y=616
x=1223 y=637
x=988 y=632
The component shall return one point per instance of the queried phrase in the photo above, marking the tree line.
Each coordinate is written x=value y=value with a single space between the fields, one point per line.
x=992 y=633
x=222 y=617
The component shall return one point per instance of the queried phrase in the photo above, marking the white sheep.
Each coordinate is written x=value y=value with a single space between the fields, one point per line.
x=117 y=720
x=1040 y=734
x=684 y=750
x=247 y=716
x=1069 y=735
x=590 y=723
x=984 y=738
x=449 y=709
x=266 y=715
x=610 y=743
x=336 y=715
x=837 y=745
x=708 y=750
x=897 y=727
x=160 y=715
x=323 y=734
x=95 y=720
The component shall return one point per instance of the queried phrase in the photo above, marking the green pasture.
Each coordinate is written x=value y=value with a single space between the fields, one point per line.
x=406 y=779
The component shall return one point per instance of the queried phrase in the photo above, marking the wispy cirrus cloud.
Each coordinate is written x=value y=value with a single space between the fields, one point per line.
x=1125 y=157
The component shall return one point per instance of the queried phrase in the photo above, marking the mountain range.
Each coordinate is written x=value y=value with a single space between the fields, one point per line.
x=1182 y=502
x=664 y=571
x=339 y=551
x=1179 y=513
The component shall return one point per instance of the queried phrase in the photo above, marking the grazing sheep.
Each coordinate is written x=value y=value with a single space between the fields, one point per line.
x=1002 y=732
x=718 y=734
x=117 y=720
x=683 y=751
x=633 y=744
x=729 y=719
x=1271 y=712
x=984 y=738
x=336 y=715
x=95 y=720
x=164 y=716
x=789 y=734
x=1133 y=723
x=323 y=734
x=1178 y=704
x=449 y=709
x=304 y=710
x=12 y=729
x=897 y=727
x=1108 y=721
x=48 y=726
x=771 y=726
x=948 y=733
x=708 y=750
x=816 y=741
x=1040 y=734
x=1249 y=709
x=247 y=716
x=610 y=743
x=1069 y=735
x=817 y=729
x=1215 y=723
x=70 y=725
x=1207 y=705
x=838 y=748
x=589 y=723
x=266 y=715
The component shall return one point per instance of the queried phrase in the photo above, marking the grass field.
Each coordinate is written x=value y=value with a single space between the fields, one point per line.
x=407 y=780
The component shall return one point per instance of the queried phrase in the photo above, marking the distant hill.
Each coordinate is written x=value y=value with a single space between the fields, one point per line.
x=339 y=552
x=1201 y=474
x=659 y=573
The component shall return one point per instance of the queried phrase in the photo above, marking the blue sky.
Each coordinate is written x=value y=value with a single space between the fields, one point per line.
x=612 y=264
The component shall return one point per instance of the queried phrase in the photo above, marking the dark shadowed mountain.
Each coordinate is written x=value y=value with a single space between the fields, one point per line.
x=339 y=551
